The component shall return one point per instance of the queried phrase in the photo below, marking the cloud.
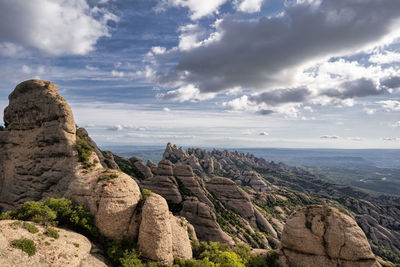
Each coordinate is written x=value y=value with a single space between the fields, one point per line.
x=395 y=125
x=116 y=73
x=386 y=57
x=249 y=6
x=120 y=127
x=330 y=137
x=166 y=109
x=391 y=82
x=390 y=139
x=11 y=50
x=390 y=105
x=358 y=139
x=265 y=111
x=185 y=93
x=267 y=54
x=370 y=111
x=264 y=133
x=276 y=97
x=56 y=27
x=198 y=9
x=358 y=88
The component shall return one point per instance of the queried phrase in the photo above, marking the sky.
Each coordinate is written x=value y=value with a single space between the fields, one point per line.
x=214 y=73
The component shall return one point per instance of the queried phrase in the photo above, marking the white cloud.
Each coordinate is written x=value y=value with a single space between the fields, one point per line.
x=249 y=6
x=167 y=109
x=116 y=73
x=370 y=111
x=56 y=27
x=390 y=139
x=185 y=93
x=120 y=127
x=158 y=50
x=390 y=105
x=264 y=133
x=395 y=125
x=198 y=8
x=12 y=50
x=330 y=137
x=356 y=139
x=238 y=104
x=386 y=57
x=91 y=68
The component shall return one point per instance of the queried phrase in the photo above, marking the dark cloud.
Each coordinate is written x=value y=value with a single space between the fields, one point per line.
x=281 y=96
x=357 y=88
x=251 y=54
x=265 y=112
x=391 y=82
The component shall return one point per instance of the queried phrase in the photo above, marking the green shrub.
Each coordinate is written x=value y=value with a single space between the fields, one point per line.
x=130 y=259
x=47 y=243
x=34 y=211
x=6 y=216
x=272 y=259
x=146 y=193
x=77 y=245
x=83 y=148
x=52 y=232
x=30 y=227
x=25 y=245
x=193 y=263
x=107 y=176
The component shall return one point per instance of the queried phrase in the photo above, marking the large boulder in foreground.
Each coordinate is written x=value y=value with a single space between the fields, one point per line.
x=70 y=249
x=323 y=236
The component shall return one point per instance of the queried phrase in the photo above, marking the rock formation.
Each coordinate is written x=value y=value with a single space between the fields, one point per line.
x=323 y=236
x=40 y=158
x=37 y=146
x=70 y=249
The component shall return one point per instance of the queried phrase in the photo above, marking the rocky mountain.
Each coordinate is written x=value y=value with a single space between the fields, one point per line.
x=161 y=209
x=264 y=193
x=43 y=155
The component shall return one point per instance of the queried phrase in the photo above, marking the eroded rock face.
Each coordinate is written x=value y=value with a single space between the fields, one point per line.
x=203 y=218
x=234 y=197
x=37 y=147
x=39 y=159
x=111 y=196
x=323 y=236
x=155 y=234
x=61 y=252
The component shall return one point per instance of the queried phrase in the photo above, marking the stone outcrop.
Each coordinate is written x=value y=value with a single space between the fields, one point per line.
x=155 y=238
x=323 y=236
x=232 y=196
x=40 y=159
x=111 y=196
x=70 y=249
x=145 y=170
x=37 y=145
x=204 y=220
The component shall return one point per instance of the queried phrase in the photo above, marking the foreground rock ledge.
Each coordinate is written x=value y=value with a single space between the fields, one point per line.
x=323 y=236
x=70 y=249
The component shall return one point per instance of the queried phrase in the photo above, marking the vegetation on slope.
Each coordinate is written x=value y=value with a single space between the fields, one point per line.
x=63 y=212
x=84 y=149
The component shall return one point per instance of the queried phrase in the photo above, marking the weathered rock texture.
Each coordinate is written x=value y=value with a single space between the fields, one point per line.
x=323 y=236
x=37 y=147
x=162 y=236
x=60 y=252
x=39 y=159
x=277 y=189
